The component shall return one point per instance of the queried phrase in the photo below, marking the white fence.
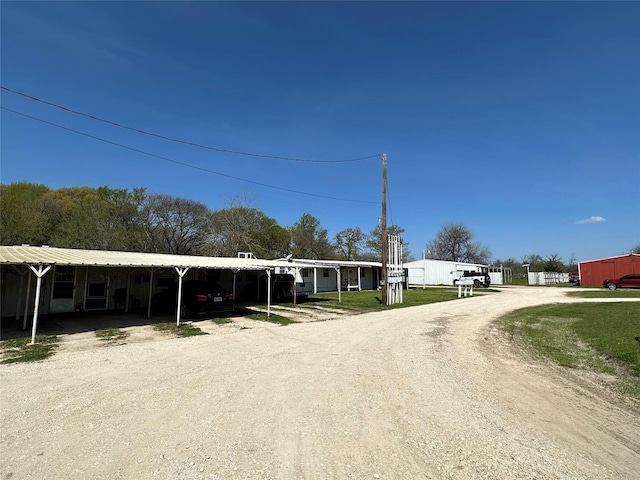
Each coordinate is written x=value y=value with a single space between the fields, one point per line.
x=547 y=278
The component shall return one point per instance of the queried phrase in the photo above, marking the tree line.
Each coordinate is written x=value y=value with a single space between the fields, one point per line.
x=137 y=220
x=106 y=218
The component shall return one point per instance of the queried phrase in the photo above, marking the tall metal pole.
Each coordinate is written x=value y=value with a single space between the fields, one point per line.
x=385 y=244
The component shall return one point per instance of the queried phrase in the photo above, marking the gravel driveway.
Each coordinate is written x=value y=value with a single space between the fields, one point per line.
x=422 y=392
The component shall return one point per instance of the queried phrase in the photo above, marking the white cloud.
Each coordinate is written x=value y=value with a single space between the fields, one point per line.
x=591 y=220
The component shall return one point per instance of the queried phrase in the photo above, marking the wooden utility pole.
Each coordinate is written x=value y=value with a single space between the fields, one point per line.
x=385 y=240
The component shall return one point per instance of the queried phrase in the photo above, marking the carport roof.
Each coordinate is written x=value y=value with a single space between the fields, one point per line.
x=31 y=255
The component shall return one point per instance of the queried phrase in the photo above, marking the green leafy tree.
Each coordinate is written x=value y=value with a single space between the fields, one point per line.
x=26 y=216
x=81 y=217
x=243 y=228
x=535 y=262
x=454 y=242
x=121 y=223
x=309 y=240
x=271 y=240
x=349 y=243
x=553 y=263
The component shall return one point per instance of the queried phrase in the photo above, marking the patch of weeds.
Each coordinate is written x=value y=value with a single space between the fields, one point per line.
x=19 y=350
x=111 y=335
x=221 y=320
x=274 y=318
x=184 y=330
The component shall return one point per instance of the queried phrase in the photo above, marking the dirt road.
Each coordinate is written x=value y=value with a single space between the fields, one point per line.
x=422 y=392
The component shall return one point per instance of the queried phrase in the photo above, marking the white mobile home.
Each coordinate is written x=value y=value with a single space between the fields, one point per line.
x=352 y=275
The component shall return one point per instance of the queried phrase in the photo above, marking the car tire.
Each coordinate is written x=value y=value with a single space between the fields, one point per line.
x=476 y=283
x=612 y=286
x=455 y=283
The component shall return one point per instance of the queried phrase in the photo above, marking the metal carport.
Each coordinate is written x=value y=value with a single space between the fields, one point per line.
x=40 y=260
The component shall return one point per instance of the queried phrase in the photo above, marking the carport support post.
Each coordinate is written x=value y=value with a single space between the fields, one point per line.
x=151 y=270
x=268 y=293
x=40 y=272
x=339 y=281
x=235 y=278
x=181 y=272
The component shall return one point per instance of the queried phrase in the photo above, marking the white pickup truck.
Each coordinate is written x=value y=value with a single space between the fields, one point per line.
x=480 y=279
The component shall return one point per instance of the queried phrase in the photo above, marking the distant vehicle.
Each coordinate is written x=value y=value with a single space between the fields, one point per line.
x=480 y=279
x=304 y=288
x=628 y=281
x=574 y=277
x=198 y=296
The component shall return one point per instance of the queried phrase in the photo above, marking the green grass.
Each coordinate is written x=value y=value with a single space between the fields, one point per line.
x=184 y=330
x=601 y=337
x=111 y=335
x=371 y=301
x=605 y=294
x=19 y=350
x=221 y=320
x=273 y=318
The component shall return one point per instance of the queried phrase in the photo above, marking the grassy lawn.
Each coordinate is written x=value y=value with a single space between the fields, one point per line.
x=184 y=330
x=371 y=301
x=19 y=350
x=599 y=337
x=605 y=293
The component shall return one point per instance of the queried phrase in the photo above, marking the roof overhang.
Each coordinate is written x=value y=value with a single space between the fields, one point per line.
x=30 y=255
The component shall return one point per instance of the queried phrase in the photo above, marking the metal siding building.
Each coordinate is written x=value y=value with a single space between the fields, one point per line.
x=593 y=272
x=437 y=272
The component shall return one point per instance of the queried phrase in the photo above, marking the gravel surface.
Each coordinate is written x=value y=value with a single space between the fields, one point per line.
x=423 y=392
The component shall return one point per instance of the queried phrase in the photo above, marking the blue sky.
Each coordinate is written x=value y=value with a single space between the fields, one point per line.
x=519 y=119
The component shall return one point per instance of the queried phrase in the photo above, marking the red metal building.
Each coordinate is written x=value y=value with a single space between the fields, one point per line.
x=593 y=272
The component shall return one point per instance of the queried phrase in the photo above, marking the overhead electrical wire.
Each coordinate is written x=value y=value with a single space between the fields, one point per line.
x=184 y=164
x=176 y=140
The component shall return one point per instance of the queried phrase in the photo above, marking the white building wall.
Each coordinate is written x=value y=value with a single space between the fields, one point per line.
x=326 y=284
x=437 y=272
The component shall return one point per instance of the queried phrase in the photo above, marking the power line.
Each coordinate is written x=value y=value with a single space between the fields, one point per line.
x=184 y=142
x=184 y=164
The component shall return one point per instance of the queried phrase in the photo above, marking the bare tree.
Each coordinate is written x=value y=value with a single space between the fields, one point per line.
x=454 y=242
x=174 y=225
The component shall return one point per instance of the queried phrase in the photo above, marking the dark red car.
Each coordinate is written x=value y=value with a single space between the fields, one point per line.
x=628 y=281
x=198 y=296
